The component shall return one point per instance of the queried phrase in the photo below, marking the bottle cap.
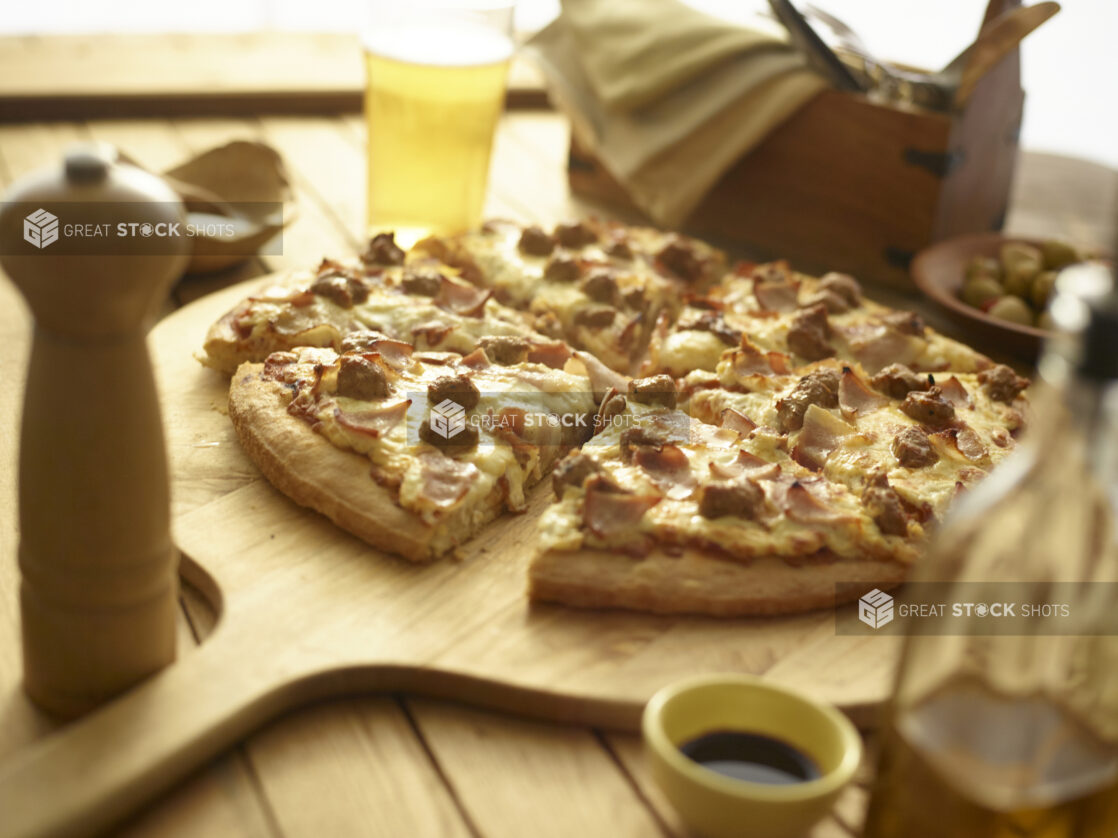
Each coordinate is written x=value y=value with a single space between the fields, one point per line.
x=1085 y=311
x=1100 y=338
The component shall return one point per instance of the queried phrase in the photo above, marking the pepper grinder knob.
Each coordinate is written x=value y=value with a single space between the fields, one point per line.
x=98 y=568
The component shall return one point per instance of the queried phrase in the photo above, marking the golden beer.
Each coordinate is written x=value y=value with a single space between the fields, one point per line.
x=967 y=763
x=433 y=97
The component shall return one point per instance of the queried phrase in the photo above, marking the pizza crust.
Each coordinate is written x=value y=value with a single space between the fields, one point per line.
x=312 y=472
x=224 y=350
x=697 y=582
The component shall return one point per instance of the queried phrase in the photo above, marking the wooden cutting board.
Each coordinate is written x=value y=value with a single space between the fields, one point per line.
x=307 y=611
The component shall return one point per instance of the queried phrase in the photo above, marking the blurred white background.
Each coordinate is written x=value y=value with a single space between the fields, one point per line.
x=1070 y=65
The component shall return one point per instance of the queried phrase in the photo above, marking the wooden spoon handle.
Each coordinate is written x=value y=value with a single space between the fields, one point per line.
x=997 y=40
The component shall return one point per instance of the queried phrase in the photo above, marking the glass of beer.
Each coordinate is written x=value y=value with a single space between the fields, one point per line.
x=435 y=88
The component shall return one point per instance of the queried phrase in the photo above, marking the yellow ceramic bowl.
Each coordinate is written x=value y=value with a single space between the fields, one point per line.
x=718 y=806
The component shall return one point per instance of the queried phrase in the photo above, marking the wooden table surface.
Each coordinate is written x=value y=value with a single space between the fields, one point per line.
x=392 y=765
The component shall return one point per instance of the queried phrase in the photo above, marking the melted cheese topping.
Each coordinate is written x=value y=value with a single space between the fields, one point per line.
x=398 y=453
x=849 y=532
x=867 y=450
x=518 y=277
x=274 y=322
x=682 y=350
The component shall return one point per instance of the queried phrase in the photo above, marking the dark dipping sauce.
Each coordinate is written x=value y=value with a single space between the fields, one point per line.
x=752 y=757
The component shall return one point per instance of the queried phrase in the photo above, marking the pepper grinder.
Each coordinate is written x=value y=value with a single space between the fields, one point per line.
x=98 y=568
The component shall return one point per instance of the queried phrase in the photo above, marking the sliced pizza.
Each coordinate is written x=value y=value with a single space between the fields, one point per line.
x=600 y=286
x=924 y=436
x=412 y=451
x=424 y=304
x=804 y=319
x=660 y=512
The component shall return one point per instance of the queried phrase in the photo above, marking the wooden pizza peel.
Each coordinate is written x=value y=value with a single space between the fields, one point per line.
x=306 y=612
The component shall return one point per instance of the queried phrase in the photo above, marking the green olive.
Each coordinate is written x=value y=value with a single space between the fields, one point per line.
x=981 y=290
x=1058 y=254
x=1013 y=309
x=1041 y=291
x=1014 y=253
x=1045 y=321
x=1019 y=278
x=984 y=266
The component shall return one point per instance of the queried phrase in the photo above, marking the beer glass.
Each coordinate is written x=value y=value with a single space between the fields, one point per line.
x=435 y=88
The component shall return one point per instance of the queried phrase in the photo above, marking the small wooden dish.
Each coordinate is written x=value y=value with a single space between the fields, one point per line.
x=939 y=272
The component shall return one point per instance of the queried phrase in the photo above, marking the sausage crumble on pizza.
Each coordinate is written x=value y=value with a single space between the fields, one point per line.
x=720 y=440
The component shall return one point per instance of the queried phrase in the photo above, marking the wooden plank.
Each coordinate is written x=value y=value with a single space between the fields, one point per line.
x=169 y=75
x=154 y=144
x=29 y=146
x=517 y=778
x=532 y=161
x=202 y=133
x=217 y=801
x=329 y=165
x=352 y=768
x=1057 y=196
x=517 y=181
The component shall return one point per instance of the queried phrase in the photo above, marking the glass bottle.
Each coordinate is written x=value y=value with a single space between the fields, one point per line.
x=995 y=735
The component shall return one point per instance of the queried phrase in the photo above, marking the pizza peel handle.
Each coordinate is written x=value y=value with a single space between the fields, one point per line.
x=90 y=775
x=87 y=776
x=98 y=585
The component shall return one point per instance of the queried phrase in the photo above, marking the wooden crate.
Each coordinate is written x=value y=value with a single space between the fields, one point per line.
x=847 y=184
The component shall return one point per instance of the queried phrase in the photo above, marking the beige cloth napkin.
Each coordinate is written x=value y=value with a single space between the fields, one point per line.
x=668 y=97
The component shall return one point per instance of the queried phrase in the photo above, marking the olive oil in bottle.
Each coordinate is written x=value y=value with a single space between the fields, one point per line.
x=995 y=735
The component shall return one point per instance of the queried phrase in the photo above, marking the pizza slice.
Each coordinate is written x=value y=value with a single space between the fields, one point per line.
x=660 y=512
x=411 y=451
x=912 y=439
x=600 y=286
x=424 y=304
x=805 y=319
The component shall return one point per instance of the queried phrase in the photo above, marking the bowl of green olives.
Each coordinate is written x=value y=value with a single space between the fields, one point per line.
x=998 y=285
